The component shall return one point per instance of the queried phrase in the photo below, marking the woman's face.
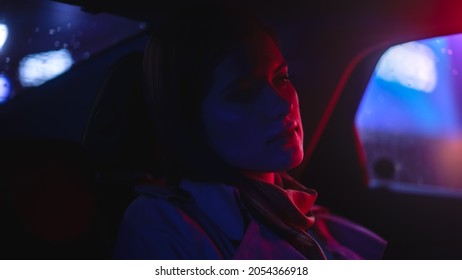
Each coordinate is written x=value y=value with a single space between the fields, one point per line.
x=251 y=114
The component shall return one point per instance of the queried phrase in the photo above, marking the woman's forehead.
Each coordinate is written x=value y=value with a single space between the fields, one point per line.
x=252 y=59
x=256 y=52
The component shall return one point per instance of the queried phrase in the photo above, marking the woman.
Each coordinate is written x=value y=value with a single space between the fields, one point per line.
x=219 y=89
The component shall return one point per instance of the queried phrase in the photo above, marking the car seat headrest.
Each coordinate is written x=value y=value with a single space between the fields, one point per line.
x=119 y=134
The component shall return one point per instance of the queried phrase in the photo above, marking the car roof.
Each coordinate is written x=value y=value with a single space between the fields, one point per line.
x=378 y=19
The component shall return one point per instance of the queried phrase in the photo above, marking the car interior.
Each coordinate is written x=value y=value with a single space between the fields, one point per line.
x=382 y=151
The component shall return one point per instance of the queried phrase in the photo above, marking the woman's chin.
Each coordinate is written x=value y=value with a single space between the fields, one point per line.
x=296 y=160
x=287 y=160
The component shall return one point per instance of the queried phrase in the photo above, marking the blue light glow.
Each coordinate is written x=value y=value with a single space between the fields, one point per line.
x=5 y=89
x=412 y=65
x=3 y=34
x=36 y=69
x=410 y=91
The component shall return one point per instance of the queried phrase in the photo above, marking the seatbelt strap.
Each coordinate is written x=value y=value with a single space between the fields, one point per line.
x=214 y=232
x=185 y=202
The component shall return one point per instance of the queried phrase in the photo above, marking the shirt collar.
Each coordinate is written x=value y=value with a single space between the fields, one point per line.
x=212 y=198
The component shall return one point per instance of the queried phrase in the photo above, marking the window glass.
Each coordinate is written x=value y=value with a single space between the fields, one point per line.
x=409 y=120
x=41 y=39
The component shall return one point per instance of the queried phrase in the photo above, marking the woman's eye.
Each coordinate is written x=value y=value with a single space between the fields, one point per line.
x=281 y=80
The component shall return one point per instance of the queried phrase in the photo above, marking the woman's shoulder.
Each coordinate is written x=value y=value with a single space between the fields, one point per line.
x=155 y=204
x=155 y=227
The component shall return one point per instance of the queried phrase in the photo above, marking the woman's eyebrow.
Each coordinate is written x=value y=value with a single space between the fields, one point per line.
x=247 y=79
x=280 y=67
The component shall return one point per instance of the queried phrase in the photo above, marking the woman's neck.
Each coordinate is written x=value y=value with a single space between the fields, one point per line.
x=267 y=177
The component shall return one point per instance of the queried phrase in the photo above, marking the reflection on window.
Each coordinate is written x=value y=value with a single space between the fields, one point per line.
x=5 y=89
x=36 y=69
x=42 y=39
x=412 y=65
x=3 y=34
x=410 y=118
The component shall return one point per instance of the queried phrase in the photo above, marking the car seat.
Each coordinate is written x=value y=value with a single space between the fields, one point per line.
x=120 y=140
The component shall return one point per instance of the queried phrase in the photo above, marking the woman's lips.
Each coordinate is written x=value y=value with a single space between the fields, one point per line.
x=285 y=133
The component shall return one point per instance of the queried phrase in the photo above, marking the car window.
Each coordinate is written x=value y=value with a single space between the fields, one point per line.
x=409 y=120
x=40 y=40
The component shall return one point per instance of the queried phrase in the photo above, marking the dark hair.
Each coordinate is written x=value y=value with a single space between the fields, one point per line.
x=179 y=63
